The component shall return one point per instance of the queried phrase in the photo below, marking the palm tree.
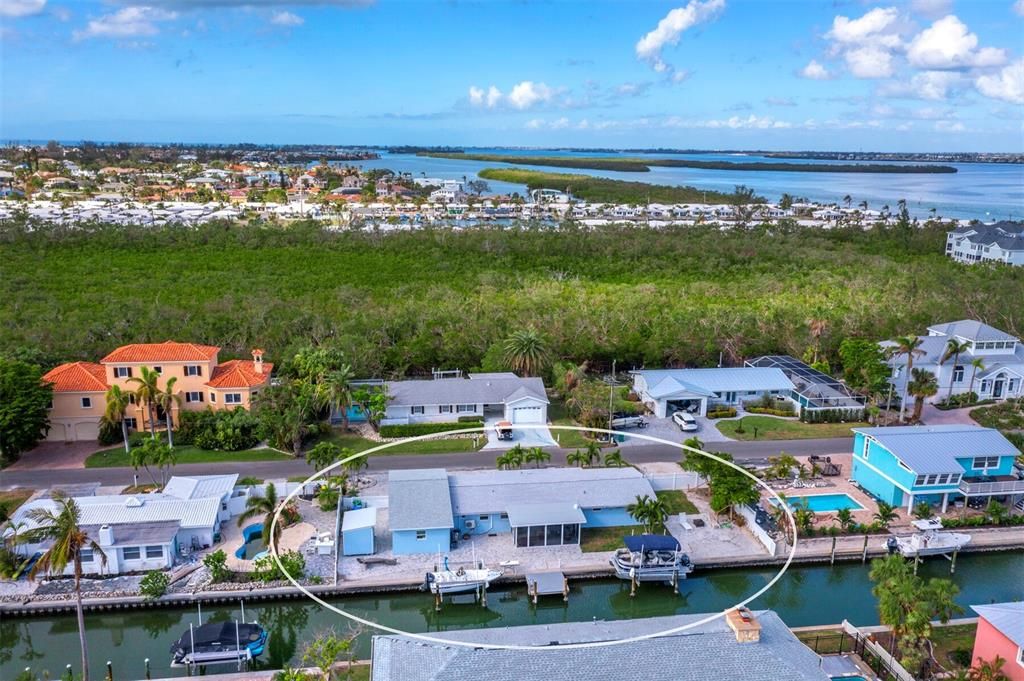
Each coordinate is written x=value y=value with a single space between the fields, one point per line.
x=526 y=352
x=847 y=200
x=61 y=527
x=144 y=454
x=577 y=458
x=953 y=349
x=593 y=453
x=976 y=363
x=260 y=505
x=338 y=391
x=639 y=510
x=885 y=514
x=117 y=406
x=923 y=384
x=614 y=459
x=911 y=347
x=651 y=513
x=167 y=399
x=537 y=456
x=146 y=391
x=844 y=517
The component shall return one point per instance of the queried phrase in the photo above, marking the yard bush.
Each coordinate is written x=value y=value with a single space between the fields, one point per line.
x=771 y=412
x=416 y=429
x=267 y=570
x=110 y=433
x=229 y=431
x=470 y=420
x=962 y=400
x=722 y=413
x=154 y=584
x=217 y=564
x=831 y=415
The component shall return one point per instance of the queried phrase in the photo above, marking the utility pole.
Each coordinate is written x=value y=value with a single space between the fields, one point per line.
x=611 y=396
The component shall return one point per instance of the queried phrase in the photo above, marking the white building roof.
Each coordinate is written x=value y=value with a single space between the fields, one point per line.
x=200 y=486
x=709 y=381
x=1008 y=618
x=359 y=519
x=141 y=508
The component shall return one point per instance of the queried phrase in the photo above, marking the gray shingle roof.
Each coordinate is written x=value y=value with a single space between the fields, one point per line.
x=419 y=500
x=475 y=492
x=1008 y=235
x=972 y=330
x=728 y=379
x=485 y=389
x=934 y=449
x=1008 y=618
x=707 y=652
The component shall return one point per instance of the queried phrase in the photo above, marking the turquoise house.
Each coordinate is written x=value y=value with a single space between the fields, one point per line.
x=905 y=465
x=420 y=511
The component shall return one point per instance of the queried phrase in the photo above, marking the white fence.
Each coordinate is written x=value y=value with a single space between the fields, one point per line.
x=893 y=666
x=682 y=480
x=756 y=529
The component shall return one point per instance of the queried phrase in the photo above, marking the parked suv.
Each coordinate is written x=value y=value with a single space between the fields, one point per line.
x=685 y=421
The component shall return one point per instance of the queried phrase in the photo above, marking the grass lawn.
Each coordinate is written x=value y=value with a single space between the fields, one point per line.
x=559 y=416
x=603 y=538
x=12 y=499
x=432 y=446
x=677 y=502
x=770 y=428
x=116 y=457
x=823 y=641
x=959 y=637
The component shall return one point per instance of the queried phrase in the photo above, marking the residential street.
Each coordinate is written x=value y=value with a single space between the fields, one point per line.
x=40 y=478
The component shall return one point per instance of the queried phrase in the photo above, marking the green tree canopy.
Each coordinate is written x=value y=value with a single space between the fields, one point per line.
x=24 y=407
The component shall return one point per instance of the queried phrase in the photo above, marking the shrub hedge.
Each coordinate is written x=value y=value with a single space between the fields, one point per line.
x=229 y=431
x=416 y=429
x=832 y=415
x=771 y=412
x=722 y=413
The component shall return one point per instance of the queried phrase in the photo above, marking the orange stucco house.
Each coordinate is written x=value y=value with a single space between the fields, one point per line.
x=79 y=388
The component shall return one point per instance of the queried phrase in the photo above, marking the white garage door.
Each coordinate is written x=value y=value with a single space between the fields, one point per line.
x=56 y=433
x=527 y=415
x=87 y=431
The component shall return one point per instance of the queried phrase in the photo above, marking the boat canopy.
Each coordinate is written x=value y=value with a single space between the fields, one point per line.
x=652 y=542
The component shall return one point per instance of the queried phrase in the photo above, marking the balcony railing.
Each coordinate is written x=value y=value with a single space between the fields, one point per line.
x=994 y=487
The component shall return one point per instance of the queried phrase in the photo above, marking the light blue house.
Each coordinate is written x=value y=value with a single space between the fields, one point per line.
x=357 y=531
x=904 y=465
x=420 y=511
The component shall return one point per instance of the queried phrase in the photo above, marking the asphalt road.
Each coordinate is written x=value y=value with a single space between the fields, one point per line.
x=741 y=451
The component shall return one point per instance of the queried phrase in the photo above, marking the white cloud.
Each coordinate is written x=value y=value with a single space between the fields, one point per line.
x=815 y=71
x=1007 y=84
x=933 y=85
x=671 y=28
x=869 y=61
x=21 y=8
x=876 y=25
x=527 y=93
x=493 y=97
x=535 y=123
x=126 y=23
x=287 y=19
x=205 y=4
x=947 y=44
x=932 y=9
x=476 y=96
x=949 y=126
x=1018 y=7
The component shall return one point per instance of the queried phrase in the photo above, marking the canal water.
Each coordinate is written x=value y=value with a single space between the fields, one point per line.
x=808 y=595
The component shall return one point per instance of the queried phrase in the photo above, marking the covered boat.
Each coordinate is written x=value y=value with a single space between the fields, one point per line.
x=651 y=558
x=218 y=642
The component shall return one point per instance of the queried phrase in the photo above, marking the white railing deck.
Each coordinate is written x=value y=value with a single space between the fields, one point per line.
x=994 y=487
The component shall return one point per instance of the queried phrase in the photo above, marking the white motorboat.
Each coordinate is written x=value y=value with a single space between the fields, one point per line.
x=929 y=540
x=459 y=581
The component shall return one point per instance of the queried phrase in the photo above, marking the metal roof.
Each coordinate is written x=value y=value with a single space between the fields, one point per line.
x=727 y=379
x=475 y=492
x=200 y=486
x=142 y=508
x=485 y=389
x=935 y=449
x=524 y=515
x=818 y=388
x=359 y=519
x=971 y=329
x=709 y=651
x=419 y=499
x=1008 y=618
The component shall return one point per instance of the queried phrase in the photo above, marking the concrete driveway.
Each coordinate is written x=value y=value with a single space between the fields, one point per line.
x=666 y=429
x=524 y=437
x=54 y=456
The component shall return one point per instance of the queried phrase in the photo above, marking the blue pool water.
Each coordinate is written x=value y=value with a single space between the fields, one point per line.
x=253 y=546
x=823 y=503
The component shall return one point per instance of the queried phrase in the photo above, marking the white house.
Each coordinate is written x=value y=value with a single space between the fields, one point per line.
x=999 y=242
x=666 y=391
x=502 y=396
x=1000 y=374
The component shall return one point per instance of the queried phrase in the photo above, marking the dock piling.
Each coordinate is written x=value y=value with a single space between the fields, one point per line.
x=832 y=560
x=864 y=554
x=632 y=583
x=110 y=671
x=565 y=589
x=69 y=675
x=952 y=562
x=147 y=670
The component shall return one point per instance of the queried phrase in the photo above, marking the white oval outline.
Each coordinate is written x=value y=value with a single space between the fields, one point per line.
x=495 y=646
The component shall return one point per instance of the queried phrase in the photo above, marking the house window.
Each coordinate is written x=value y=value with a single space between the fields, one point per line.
x=194 y=396
x=85 y=555
x=504 y=516
x=131 y=553
x=985 y=386
x=920 y=480
x=958 y=374
x=233 y=398
x=904 y=466
x=49 y=405
x=445 y=409
x=982 y=462
x=485 y=517
x=122 y=372
x=131 y=398
x=421 y=535
x=465 y=408
x=154 y=552
x=159 y=370
x=193 y=370
x=944 y=478
x=132 y=423
x=416 y=410
x=213 y=397
x=86 y=403
x=1020 y=656
x=931 y=479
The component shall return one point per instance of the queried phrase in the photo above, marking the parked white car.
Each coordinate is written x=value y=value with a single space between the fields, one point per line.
x=685 y=421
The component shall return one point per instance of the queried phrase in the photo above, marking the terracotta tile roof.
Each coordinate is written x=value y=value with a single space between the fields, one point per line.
x=77 y=377
x=239 y=373
x=168 y=351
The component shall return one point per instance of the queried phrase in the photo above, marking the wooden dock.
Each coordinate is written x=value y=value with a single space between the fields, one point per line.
x=547 y=584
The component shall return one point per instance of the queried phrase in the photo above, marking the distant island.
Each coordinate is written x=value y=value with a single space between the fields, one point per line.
x=638 y=165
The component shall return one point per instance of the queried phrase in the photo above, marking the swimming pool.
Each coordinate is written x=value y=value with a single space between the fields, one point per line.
x=252 y=545
x=824 y=503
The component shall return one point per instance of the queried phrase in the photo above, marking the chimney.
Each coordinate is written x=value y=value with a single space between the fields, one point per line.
x=744 y=625
x=257 y=360
x=106 y=535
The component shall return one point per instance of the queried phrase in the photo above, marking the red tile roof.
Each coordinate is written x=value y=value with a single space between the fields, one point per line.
x=239 y=373
x=77 y=377
x=168 y=351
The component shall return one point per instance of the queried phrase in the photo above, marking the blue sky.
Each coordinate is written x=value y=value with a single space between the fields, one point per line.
x=925 y=75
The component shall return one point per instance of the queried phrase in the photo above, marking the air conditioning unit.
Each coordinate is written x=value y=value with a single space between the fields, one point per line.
x=470 y=524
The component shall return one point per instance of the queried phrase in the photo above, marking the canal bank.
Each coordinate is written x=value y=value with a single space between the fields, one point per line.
x=808 y=595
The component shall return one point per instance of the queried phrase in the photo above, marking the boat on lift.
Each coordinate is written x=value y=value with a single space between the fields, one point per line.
x=929 y=540
x=651 y=558
x=459 y=581
x=217 y=643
